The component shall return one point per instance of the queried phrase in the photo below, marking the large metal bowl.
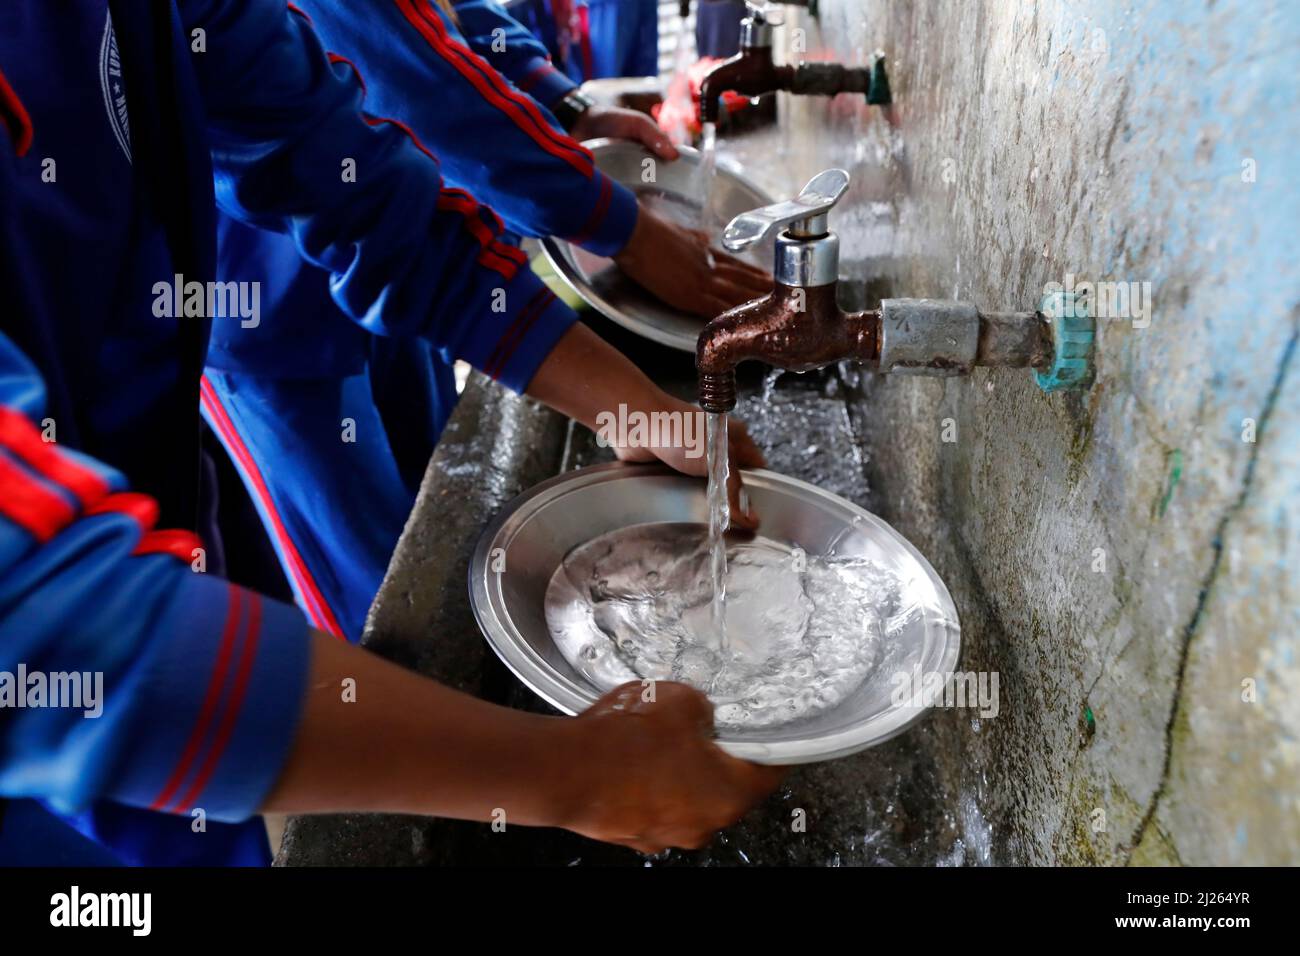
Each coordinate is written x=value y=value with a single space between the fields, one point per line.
x=522 y=547
x=675 y=193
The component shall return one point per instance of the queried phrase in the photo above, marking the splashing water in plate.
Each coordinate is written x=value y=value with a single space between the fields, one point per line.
x=803 y=632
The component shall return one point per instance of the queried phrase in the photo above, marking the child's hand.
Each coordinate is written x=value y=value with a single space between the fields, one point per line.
x=647 y=774
x=679 y=267
x=618 y=123
x=690 y=458
x=587 y=379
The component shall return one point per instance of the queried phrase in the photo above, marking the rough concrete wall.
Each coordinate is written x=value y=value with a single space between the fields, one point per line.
x=1125 y=141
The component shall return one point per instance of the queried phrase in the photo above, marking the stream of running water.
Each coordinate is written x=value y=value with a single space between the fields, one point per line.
x=719 y=522
x=709 y=218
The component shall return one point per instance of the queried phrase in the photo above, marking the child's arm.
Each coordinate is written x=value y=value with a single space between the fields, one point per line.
x=627 y=771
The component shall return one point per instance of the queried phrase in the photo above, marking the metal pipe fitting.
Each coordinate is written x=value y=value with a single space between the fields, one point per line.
x=939 y=337
x=928 y=336
x=1014 y=340
x=828 y=79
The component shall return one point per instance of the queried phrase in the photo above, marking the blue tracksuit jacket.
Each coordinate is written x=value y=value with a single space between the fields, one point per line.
x=456 y=97
x=282 y=393
x=621 y=36
x=117 y=130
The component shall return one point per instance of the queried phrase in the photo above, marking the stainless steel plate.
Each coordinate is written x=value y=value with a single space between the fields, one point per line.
x=675 y=194
x=521 y=548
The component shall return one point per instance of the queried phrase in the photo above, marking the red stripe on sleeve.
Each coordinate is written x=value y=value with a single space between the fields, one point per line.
x=140 y=507
x=494 y=223
x=16 y=117
x=178 y=543
x=598 y=213
x=495 y=255
x=338 y=58
x=210 y=699
x=25 y=501
x=493 y=251
x=230 y=715
x=489 y=84
x=494 y=361
x=509 y=343
x=415 y=140
x=22 y=438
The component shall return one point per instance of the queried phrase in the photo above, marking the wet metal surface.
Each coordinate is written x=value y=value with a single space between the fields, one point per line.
x=874 y=608
x=674 y=191
x=792 y=328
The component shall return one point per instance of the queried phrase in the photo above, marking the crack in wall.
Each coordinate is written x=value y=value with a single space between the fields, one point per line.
x=1203 y=598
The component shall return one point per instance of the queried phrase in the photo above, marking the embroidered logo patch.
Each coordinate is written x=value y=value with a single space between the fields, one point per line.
x=110 y=81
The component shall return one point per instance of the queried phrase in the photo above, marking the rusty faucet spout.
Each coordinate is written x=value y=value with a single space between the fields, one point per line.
x=796 y=328
x=752 y=72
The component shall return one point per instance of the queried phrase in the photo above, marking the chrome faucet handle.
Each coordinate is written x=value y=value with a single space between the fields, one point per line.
x=805 y=214
x=768 y=13
x=756 y=26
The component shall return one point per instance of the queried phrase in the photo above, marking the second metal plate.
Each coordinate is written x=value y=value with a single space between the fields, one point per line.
x=675 y=194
